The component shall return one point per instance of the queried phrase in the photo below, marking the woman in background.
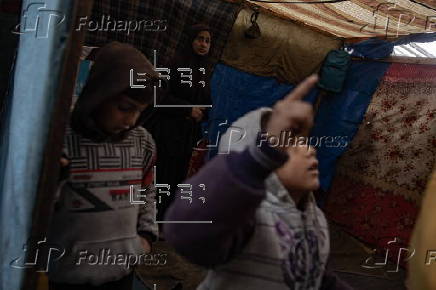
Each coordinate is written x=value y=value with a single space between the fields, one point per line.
x=176 y=130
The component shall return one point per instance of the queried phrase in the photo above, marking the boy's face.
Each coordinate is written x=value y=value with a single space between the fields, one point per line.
x=300 y=172
x=118 y=114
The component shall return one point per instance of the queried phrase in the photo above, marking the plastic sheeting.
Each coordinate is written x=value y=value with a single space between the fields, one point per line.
x=235 y=93
x=41 y=47
x=340 y=115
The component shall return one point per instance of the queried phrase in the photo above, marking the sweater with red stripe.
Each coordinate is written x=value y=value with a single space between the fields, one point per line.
x=100 y=210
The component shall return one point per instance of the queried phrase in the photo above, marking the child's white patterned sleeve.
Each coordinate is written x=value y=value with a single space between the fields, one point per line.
x=146 y=216
x=147 y=212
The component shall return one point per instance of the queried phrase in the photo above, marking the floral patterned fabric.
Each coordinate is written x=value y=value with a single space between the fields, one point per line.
x=377 y=190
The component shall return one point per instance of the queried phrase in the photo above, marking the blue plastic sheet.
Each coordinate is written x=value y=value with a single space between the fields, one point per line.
x=340 y=115
x=234 y=93
x=373 y=48
x=24 y=132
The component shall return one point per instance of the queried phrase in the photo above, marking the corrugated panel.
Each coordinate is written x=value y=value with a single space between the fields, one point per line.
x=359 y=18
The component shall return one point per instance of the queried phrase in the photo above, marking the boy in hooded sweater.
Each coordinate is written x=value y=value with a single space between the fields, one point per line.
x=266 y=230
x=99 y=219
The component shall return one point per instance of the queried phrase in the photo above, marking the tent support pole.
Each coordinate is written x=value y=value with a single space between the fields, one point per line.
x=48 y=181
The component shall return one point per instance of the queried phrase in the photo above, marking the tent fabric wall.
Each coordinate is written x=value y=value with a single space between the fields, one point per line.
x=171 y=19
x=235 y=93
x=340 y=115
x=286 y=51
x=377 y=191
x=359 y=18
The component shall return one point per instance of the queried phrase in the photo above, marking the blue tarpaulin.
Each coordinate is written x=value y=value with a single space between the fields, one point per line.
x=235 y=93
x=44 y=31
x=340 y=115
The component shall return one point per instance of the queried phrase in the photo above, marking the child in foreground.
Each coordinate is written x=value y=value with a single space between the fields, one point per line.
x=94 y=219
x=267 y=232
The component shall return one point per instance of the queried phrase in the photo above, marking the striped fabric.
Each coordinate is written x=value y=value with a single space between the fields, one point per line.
x=98 y=206
x=359 y=18
x=170 y=19
x=133 y=152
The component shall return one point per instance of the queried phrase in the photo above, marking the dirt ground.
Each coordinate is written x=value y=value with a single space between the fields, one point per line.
x=346 y=257
x=177 y=273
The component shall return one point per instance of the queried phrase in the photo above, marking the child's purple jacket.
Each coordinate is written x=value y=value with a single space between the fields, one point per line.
x=234 y=190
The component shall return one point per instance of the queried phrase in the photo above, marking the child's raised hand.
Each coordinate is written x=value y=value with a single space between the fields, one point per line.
x=197 y=113
x=292 y=115
x=64 y=170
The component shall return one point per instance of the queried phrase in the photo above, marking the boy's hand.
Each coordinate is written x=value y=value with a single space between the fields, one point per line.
x=145 y=245
x=64 y=162
x=292 y=115
x=64 y=171
x=197 y=113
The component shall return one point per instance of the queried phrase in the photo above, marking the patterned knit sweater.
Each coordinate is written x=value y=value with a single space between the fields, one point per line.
x=94 y=216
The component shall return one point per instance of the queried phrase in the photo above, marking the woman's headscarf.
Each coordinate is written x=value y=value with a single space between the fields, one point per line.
x=187 y=58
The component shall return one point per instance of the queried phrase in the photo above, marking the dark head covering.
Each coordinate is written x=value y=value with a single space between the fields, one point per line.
x=187 y=58
x=108 y=78
x=194 y=30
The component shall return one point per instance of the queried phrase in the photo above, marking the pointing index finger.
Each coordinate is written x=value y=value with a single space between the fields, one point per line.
x=302 y=89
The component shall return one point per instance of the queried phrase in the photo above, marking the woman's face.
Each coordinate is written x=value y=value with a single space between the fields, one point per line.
x=201 y=43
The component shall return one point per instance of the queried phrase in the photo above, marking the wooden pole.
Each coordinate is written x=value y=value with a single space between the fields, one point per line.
x=48 y=181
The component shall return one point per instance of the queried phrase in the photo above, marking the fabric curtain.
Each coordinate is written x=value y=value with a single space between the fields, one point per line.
x=285 y=50
x=377 y=190
x=163 y=24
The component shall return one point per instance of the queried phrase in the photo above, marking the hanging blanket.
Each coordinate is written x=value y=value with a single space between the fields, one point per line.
x=377 y=191
x=158 y=24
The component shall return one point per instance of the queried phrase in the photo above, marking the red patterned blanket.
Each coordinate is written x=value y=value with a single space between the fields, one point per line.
x=377 y=190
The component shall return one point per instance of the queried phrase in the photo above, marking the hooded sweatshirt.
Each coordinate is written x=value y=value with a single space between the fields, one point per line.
x=95 y=220
x=258 y=238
